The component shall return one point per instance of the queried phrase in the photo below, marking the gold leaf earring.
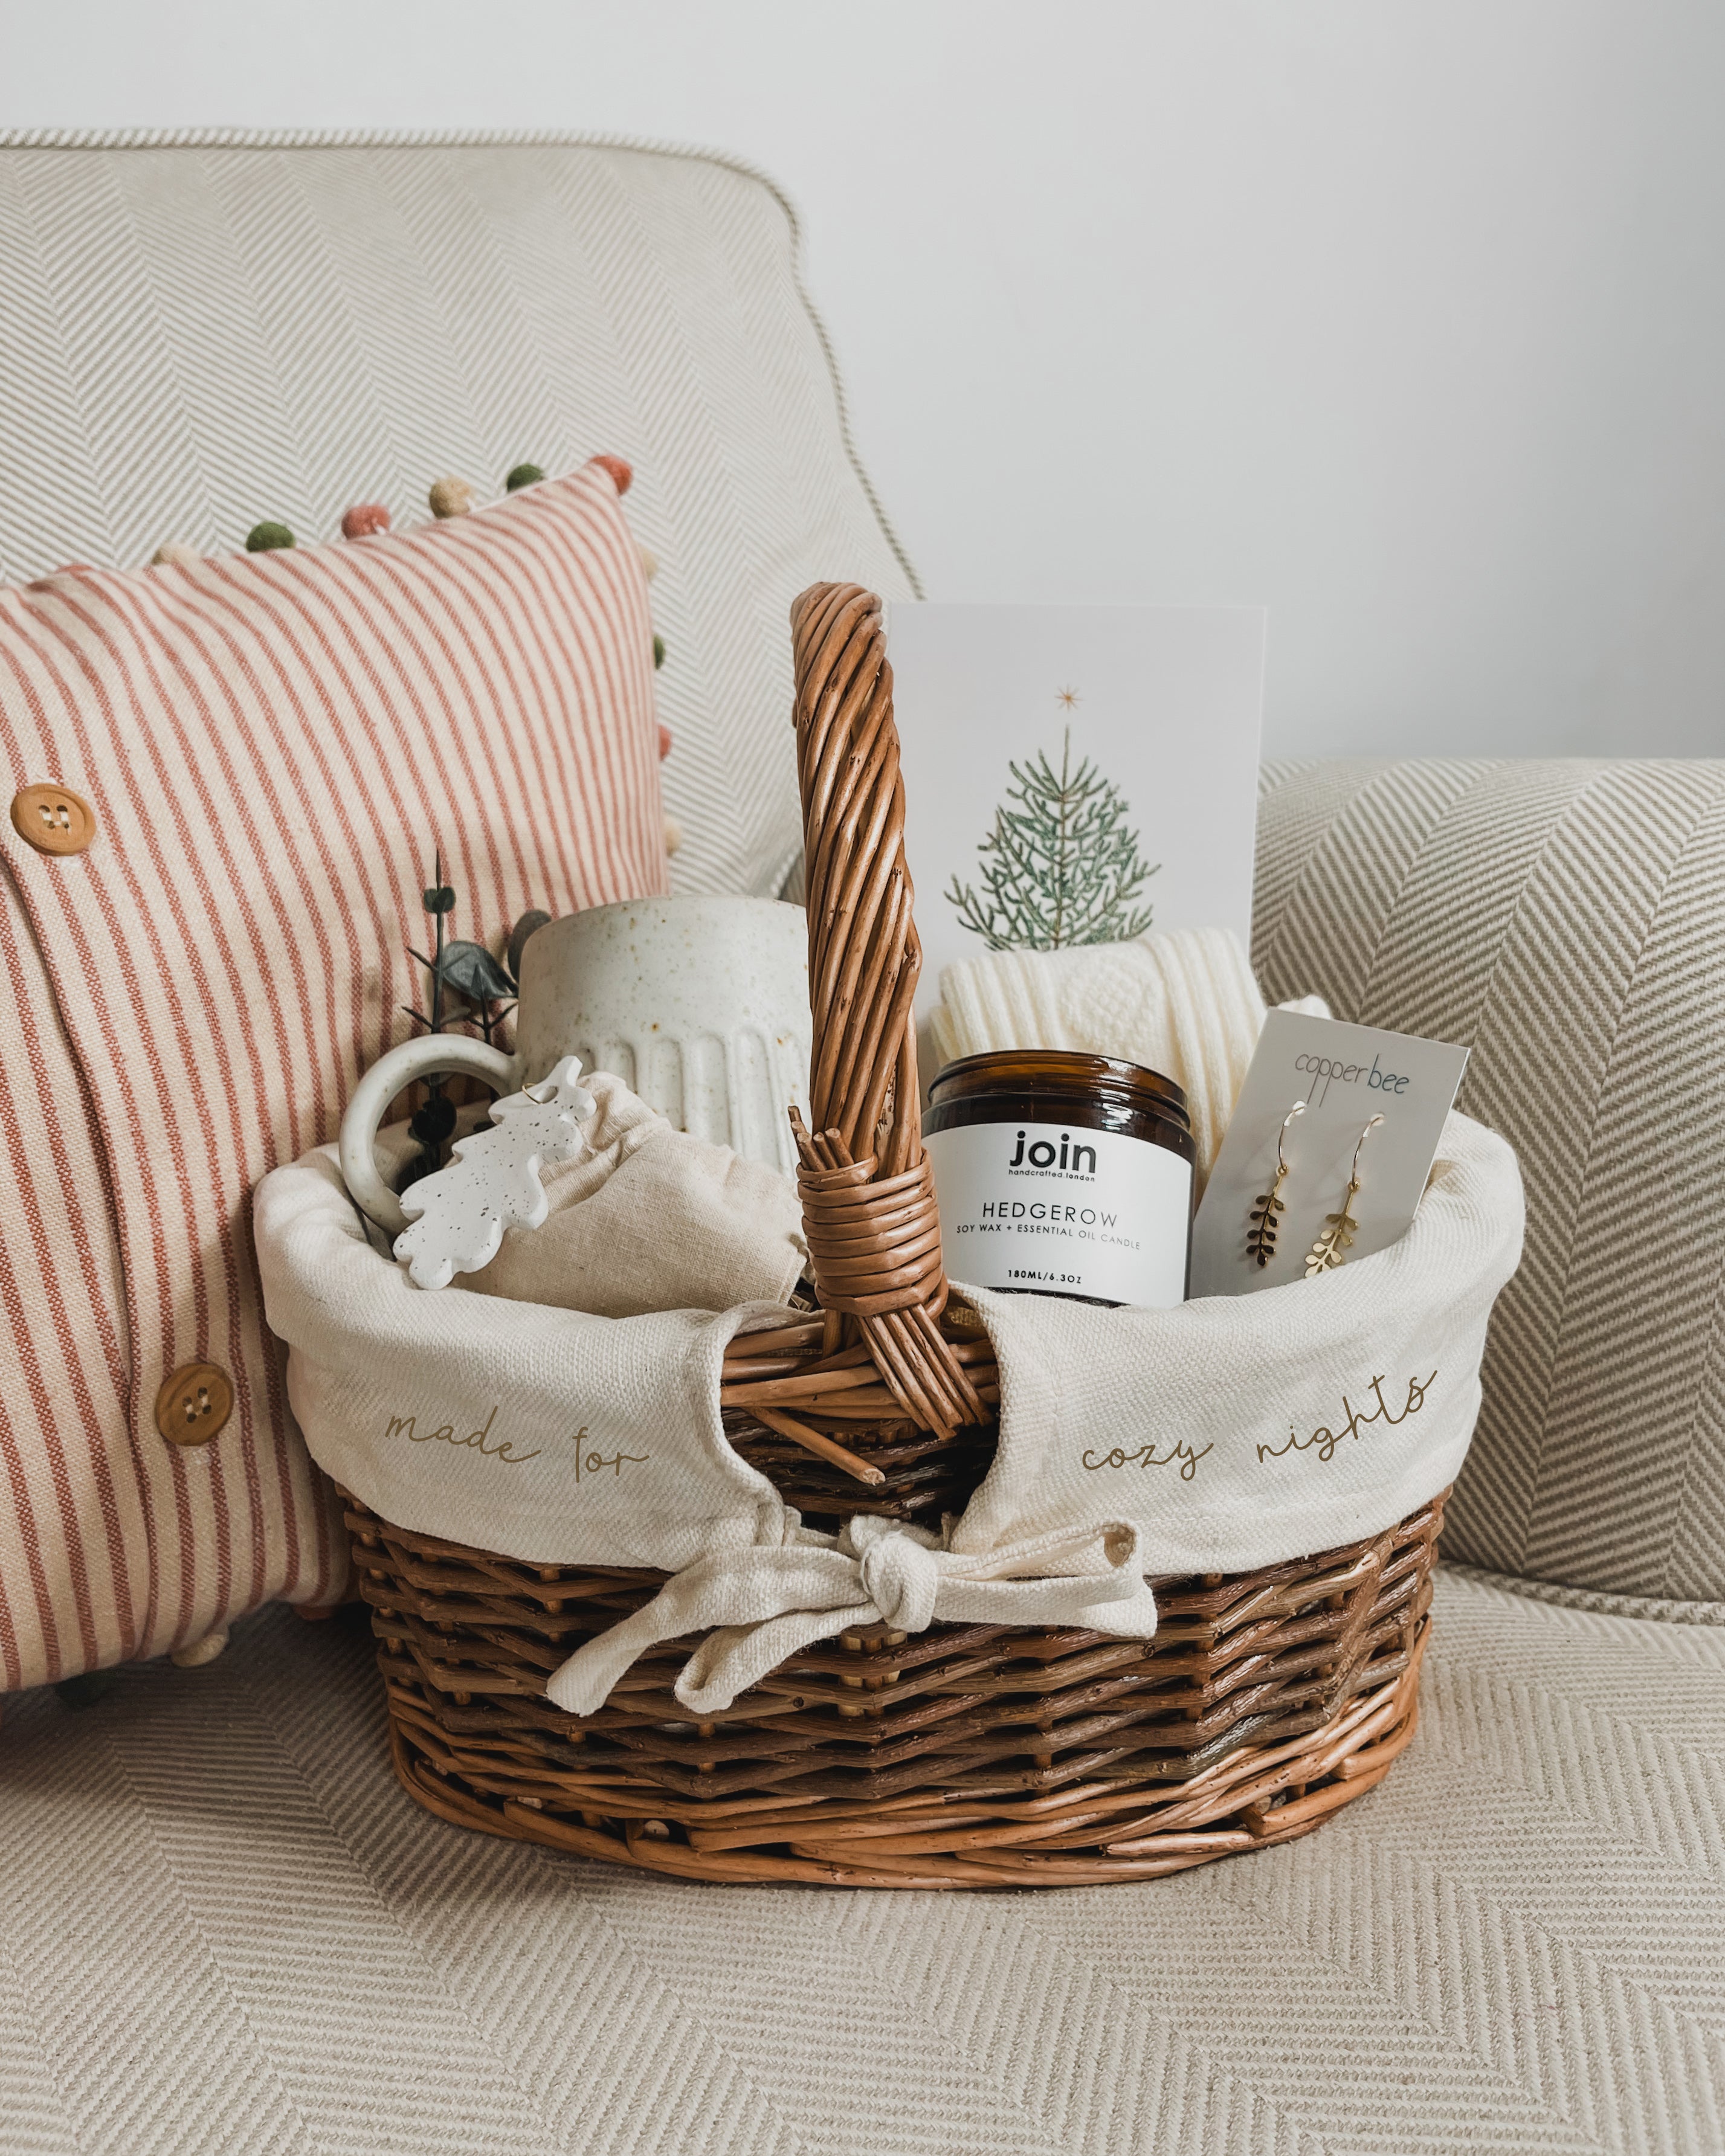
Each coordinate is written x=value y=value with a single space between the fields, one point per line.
x=1339 y=1228
x=1260 y=1234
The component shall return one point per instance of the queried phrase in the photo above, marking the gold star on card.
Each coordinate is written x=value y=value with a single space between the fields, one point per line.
x=1067 y=699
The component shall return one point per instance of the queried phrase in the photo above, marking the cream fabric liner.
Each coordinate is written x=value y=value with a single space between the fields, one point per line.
x=225 y=1930
x=1220 y=1436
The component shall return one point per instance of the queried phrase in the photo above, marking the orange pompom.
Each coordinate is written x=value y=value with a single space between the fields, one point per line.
x=664 y=739
x=622 y=473
x=363 y=519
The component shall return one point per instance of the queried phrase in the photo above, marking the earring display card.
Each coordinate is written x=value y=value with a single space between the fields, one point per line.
x=1346 y=1074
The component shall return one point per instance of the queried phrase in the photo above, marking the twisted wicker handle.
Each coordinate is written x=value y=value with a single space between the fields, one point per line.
x=867 y=1192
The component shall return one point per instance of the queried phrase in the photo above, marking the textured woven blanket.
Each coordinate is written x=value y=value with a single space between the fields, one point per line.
x=1185 y=1005
x=225 y=1929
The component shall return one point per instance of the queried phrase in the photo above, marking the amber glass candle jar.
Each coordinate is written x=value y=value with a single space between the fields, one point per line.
x=1063 y=1174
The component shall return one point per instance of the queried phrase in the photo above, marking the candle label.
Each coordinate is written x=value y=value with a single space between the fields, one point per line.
x=1061 y=1211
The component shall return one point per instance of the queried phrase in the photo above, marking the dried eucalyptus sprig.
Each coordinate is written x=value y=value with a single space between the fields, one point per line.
x=484 y=992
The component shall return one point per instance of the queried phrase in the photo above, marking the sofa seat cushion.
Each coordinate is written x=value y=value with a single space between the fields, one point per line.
x=1513 y=1945
x=275 y=748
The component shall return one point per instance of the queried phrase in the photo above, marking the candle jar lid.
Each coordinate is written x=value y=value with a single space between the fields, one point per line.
x=1063 y=1076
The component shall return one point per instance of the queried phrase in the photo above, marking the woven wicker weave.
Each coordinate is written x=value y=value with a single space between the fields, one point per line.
x=966 y=1755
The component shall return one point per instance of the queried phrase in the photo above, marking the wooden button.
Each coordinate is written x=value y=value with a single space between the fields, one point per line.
x=194 y=1403
x=52 y=819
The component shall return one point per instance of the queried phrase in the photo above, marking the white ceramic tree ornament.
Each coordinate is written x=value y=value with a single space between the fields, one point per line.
x=457 y=1214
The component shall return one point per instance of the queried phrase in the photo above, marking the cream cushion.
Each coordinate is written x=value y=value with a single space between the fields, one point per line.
x=226 y=1928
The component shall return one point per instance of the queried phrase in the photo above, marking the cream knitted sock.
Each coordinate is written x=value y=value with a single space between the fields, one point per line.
x=1183 y=1003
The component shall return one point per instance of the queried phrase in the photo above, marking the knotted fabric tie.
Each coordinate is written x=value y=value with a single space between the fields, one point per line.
x=759 y=1605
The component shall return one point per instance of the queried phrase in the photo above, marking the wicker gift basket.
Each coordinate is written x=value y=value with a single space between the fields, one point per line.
x=967 y=1755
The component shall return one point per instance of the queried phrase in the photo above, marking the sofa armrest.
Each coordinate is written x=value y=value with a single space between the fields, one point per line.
x=1566 y=919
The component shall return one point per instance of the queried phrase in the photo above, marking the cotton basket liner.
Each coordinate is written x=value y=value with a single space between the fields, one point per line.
x=1219 y=1436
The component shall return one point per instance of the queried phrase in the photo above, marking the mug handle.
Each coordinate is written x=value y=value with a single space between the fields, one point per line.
x=432 y=1055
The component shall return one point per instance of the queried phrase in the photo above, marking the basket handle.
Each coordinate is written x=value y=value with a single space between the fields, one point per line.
x=867 y=1190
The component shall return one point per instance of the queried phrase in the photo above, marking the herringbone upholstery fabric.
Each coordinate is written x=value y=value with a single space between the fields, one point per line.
x=204 y=330
x=225 y=1930
x=1567 y=920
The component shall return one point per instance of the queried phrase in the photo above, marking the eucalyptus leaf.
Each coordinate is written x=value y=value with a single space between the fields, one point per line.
x=434 y=1120
x=529 y=924
x=471 y=971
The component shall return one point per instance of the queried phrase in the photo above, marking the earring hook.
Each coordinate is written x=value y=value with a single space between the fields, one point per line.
x=1353 y=1173
x=1281 y=1164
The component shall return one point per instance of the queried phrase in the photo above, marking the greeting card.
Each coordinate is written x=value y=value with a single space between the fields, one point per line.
x=1075 y=774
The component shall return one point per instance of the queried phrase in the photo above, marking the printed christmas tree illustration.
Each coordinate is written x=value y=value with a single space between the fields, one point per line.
x=1062 y=864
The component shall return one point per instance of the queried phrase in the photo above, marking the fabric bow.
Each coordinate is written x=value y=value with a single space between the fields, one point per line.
x=760 y=1604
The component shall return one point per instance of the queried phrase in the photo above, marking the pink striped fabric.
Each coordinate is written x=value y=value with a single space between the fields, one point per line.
x=274 y=745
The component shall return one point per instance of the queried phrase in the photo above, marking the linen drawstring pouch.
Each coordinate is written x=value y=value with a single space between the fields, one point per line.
x=603 y=1246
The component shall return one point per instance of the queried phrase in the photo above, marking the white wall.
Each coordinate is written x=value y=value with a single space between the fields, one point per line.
x=1408 y=320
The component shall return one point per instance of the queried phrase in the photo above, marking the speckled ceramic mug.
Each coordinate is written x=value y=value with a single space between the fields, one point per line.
x=700 y=1005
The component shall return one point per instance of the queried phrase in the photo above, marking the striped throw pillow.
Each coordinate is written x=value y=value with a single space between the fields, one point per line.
x=271 y=747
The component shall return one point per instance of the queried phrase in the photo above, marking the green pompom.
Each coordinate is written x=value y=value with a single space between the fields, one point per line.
x=264 y=538
x=523 y=475
x=658 y=651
